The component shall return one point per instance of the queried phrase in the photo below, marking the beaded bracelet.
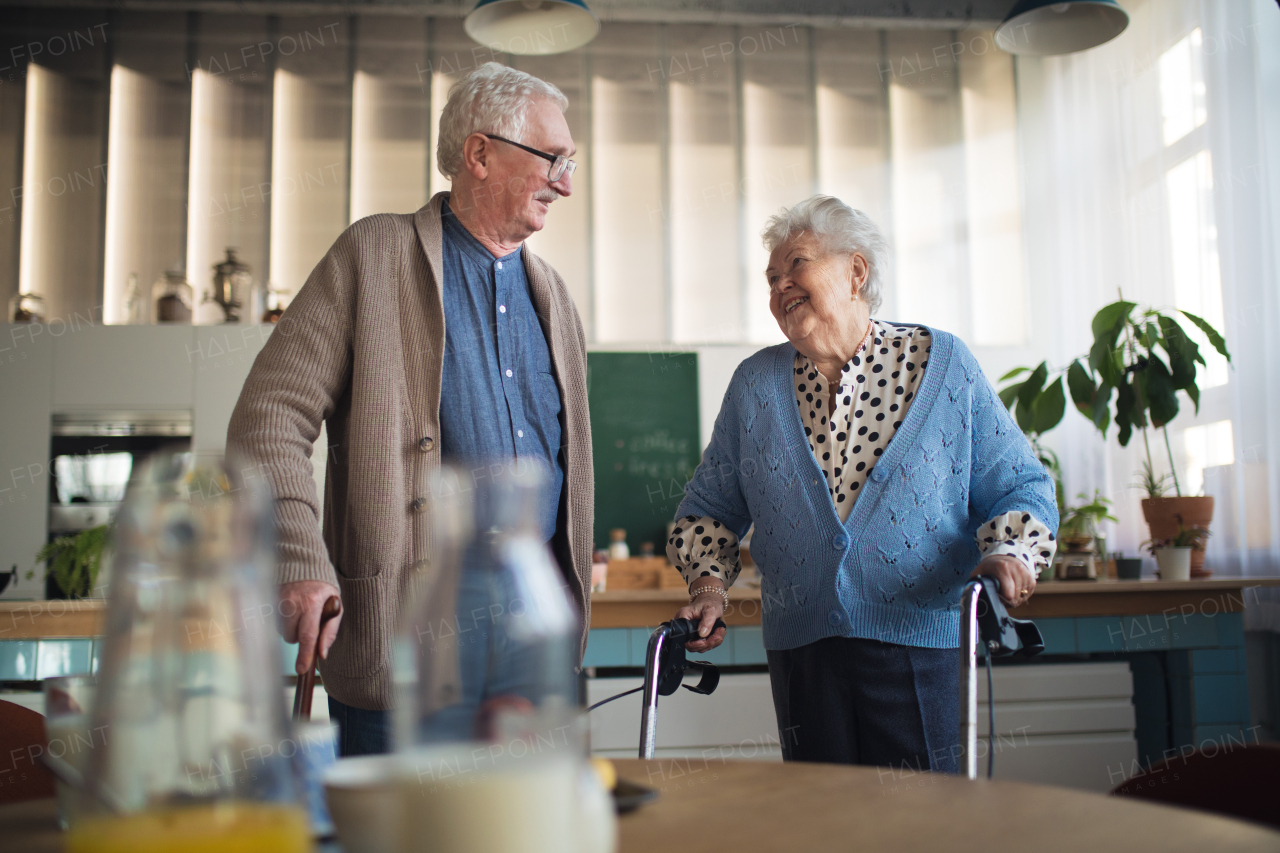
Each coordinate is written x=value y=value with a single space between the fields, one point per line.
x=694 y=593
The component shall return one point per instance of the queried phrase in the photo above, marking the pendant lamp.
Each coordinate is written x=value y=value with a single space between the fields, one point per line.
x=532 y=27
x=1049 y=28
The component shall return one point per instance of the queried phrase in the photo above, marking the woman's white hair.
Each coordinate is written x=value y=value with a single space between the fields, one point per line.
x=491 y=99
x=841 y=230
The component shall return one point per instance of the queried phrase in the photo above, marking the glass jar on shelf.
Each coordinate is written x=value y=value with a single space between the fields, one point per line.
x=277 y=301
x=171 y=298
x=26 y=308
x=231 y=287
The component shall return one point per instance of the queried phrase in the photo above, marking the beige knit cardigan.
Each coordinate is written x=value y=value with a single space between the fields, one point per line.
x=360 y=350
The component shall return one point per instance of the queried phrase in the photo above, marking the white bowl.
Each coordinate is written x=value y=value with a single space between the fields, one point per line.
x=364 y=801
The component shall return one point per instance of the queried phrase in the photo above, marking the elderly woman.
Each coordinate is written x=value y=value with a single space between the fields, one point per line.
x=880 y=471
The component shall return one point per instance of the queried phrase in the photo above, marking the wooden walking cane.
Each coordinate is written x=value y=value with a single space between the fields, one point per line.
x=307 y=681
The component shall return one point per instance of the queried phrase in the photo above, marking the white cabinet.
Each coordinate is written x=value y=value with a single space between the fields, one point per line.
x=25 y=381
x=1057 y=724
x=735 y=722
x=123 y=367
x=47 y=370
x=1062 y=724
x=222 y=356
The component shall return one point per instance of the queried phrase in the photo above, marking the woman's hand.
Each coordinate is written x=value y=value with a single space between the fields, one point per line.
x=1017 y=583
x=705 y=609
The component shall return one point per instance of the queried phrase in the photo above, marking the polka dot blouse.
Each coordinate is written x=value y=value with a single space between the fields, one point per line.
x=876 y=389
x=875 y=392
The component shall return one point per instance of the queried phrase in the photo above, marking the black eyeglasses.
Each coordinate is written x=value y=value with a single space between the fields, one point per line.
x=560 y=164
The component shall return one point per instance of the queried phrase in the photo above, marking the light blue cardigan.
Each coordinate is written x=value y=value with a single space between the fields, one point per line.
x=894 y=570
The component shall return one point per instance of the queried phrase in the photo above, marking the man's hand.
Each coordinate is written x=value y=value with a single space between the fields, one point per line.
x=300 y=606
x=1017 y=583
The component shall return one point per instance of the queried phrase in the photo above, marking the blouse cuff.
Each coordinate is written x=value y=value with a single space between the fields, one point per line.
x=701 y=547
x=1021 y=535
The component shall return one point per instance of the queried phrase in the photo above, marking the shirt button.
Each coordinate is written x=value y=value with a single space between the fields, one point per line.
x=877 y=475
x=426 y=444
x=508 y=373
x=840 y=542
x=418 y=505
x=502 y=308
x=519 y=433
x=499 y=264
x=835 y=617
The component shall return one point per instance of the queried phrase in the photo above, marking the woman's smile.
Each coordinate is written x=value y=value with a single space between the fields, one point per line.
x=795 y=303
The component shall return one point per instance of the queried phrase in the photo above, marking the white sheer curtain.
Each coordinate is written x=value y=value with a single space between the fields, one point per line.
x=1150 y=166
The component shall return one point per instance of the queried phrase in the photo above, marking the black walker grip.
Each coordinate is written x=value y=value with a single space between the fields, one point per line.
x=672 y=662
x=686 y=630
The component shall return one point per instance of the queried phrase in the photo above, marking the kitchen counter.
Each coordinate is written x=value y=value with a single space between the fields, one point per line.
x=650 y=607
x=641 y=608
x=1183 y=641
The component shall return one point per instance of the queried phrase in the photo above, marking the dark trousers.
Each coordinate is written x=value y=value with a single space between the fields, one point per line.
x=845 y=700
x=360 y=732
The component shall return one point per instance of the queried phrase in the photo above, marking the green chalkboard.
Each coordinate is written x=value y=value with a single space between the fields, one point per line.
x=644 y=437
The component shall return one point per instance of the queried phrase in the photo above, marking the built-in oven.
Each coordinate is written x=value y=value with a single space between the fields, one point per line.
x=93 y=455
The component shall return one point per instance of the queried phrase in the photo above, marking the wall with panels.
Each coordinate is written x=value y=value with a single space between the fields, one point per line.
x=272 y=133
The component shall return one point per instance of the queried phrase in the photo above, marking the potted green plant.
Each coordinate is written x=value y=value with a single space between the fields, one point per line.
x=1142 y=358
x=1038 y=408
x=1079 y=528
x=1173 y=555
x=74 y=562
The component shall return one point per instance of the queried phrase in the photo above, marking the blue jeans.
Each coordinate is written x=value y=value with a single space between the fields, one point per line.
x=360 y=732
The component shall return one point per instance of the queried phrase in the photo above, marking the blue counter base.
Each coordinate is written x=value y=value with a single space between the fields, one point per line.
x=1190 y=684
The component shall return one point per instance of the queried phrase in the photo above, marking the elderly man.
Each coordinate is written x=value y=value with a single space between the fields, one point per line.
x=422 y=337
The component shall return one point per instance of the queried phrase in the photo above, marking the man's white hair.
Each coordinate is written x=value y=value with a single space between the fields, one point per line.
x=840 y=230
x=491 y=99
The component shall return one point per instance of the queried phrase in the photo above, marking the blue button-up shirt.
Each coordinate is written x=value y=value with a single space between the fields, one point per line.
x=498 y=397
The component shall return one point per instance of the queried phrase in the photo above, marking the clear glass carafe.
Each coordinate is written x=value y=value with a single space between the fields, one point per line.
x=488 y=724
x=194 y=752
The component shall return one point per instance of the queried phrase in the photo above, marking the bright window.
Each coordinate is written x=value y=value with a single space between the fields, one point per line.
x=1182 y=88
x=1206 y=447
x=1193 y=234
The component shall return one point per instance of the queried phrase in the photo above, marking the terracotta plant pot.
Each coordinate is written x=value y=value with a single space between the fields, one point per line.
x=1165 y=515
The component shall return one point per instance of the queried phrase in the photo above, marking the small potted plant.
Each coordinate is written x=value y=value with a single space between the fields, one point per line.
x=1173 y=555
x=74 y=562
x=1079 y=529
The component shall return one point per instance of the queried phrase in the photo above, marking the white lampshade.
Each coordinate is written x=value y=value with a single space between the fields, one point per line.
x=1049 y=28
x=532 y=27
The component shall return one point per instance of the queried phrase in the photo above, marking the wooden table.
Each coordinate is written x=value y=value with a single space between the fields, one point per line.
x=746 y=806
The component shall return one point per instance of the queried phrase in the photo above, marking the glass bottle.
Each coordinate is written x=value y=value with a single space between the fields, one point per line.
x=190 y=705
x=26 y=308
x=171 y=298
x=618 y=549
x=487 y=722
x=135 y=303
